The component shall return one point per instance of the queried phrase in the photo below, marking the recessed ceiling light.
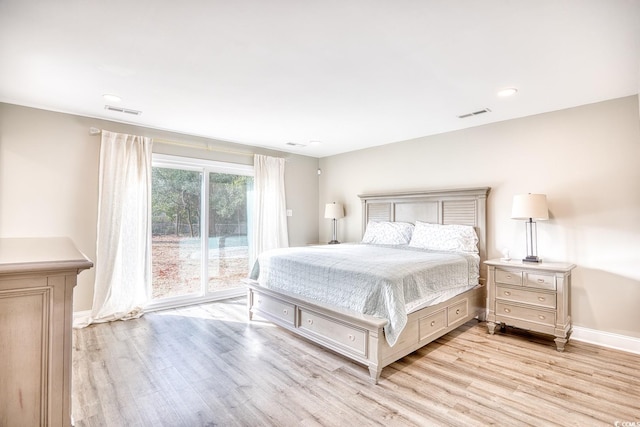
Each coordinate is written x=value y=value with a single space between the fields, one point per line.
x=507 y=91
x=111 y=98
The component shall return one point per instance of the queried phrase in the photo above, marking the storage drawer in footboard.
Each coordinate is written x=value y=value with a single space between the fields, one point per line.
x=332 y=332
x=273 y=307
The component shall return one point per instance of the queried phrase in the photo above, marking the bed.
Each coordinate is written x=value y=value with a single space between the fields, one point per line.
x=362 y=337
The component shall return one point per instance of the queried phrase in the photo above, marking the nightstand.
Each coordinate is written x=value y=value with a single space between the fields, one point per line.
x=532 y=296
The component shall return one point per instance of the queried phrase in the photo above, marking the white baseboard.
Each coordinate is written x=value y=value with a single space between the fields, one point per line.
x=606 y=339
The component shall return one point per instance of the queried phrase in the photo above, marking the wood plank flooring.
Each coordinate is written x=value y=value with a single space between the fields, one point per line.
x=207 y=365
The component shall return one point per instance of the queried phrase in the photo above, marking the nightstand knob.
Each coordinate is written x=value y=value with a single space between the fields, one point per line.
x=540 y=298
x=351 y=337
x=540 y=280
x=285 y=311
x=541 y=317
x=508 y=276
x=507 y=293
x=458 y=311
x=310 y=321
x=506 y=310
x=433 y=323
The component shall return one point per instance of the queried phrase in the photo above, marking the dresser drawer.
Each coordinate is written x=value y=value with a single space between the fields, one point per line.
x=529 y=314
x=527 y=296
x=432 y=324
x=542 y=281
x=508 y=277
x=346 y=337
x=457 y=312
x=275 y=307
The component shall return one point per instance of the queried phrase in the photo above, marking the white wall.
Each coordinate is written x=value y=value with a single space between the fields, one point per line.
x=49 y=179
x=587 y=161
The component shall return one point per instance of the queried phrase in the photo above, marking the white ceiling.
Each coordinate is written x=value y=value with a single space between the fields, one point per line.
x=348 y=73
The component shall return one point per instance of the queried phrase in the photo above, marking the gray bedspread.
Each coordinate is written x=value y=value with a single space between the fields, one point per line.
x=381 y=281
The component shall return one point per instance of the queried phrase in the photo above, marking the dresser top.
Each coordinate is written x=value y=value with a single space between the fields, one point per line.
x=544 y=266
x=36 y=254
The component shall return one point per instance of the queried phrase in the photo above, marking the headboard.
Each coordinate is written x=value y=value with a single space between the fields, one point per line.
x=465 y=206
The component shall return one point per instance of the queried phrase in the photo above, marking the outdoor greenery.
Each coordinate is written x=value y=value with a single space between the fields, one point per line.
x=176 y=202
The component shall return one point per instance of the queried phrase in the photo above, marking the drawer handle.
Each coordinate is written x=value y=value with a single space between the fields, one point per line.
x=310 y=321
x=351 y=337
x=540 y=280
x=259 y=301
x=458 y=311
x=541 y=299
x=433 y=323
x=506 y=310
x=507 y=293
x=285 y=311
x=508 y=276
x=541 y=317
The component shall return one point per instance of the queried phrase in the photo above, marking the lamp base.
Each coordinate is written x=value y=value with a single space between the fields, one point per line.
x=531 y=258
x=333 y=242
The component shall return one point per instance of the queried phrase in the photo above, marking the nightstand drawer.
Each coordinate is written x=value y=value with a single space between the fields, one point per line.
x=542 y=281
x=533 y=297
x=528 y=314
x=508 y=277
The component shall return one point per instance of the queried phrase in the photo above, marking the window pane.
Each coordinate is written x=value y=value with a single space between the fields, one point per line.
x=228 y=226
x=176 y=244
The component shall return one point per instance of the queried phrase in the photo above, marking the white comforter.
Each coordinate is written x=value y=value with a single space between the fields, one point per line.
x=381 y=281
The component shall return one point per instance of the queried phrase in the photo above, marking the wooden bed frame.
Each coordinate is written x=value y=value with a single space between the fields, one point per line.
x=360 y=337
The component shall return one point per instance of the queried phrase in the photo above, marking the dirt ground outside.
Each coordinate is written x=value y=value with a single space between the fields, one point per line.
x=176 y=266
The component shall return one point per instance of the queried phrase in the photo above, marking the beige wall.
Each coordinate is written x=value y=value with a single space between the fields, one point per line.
x=587 y=161
x=49 y=179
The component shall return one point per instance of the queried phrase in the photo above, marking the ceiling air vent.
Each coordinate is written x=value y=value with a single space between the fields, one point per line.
x=475 y=113
x=295 y=144
x=122 y=110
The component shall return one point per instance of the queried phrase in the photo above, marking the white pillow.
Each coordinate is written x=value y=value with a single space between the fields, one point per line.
x=388 y=233
x=456 y=238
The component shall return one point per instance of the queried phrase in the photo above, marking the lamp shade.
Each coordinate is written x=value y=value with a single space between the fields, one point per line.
x=532 y=206
x=333 y=211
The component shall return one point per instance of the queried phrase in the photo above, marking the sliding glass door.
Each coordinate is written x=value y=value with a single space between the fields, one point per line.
x=185 y=265
x=229 y=209
x=175 y=243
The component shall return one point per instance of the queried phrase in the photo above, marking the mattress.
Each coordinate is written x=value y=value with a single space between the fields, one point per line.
x=382 y=281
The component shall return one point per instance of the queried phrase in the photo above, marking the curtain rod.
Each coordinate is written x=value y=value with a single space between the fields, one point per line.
x=207 y=147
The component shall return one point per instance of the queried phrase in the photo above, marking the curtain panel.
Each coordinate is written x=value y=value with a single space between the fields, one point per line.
x=270 y=211
x=123 y=252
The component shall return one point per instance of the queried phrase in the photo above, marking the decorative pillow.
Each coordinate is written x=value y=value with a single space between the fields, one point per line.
x=388 y=233
x=456 y=238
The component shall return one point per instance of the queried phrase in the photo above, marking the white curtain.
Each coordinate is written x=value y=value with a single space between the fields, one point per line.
x=123 y=253
x=270 y=211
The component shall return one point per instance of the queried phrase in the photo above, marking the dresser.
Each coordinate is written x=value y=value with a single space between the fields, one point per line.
x=532 y=296
x=37 y=277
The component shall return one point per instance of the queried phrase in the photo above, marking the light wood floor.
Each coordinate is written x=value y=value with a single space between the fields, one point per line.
x=206 y=365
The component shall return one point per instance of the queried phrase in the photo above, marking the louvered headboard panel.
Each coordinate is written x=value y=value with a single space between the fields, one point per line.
x=379 y=211
x=466 y=206
x=459 y=212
